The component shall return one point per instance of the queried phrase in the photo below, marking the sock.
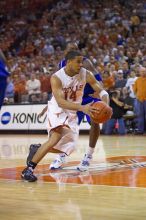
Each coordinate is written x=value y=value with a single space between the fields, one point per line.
x=32 y=165
x=90 y=150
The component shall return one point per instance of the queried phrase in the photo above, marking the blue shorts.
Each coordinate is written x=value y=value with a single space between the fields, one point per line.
x=81 y=115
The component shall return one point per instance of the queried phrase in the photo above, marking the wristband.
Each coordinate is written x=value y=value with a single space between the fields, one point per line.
x=102 y=93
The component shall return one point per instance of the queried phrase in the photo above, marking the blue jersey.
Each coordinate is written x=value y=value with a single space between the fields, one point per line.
x=87 y=91
x=3 y=80
x=62 y=63
x=3 y=70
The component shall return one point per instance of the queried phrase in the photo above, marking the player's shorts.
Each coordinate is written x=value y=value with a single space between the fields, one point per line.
x=70 y=129
x=81 y=115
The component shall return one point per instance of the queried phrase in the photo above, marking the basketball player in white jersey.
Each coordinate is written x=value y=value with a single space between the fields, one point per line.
x=67 y=89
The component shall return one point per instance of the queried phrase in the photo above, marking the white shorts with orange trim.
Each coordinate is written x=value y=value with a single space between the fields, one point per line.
x=70 y=130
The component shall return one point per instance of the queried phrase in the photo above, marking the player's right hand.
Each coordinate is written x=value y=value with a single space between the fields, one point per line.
x=89 y=109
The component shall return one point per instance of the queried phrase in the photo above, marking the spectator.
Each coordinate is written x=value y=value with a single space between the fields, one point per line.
x=22 y=89
x=119 y=109
x=33 y=87
x=120 y=82
x=139 y=88
x=9 y=94
x=108 y=81
x=130 y=82
x=126 y=70
x=45 y=82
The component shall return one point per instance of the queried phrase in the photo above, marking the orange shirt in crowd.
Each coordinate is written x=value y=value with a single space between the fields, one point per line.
x=109 y=82
x=45 y=84
x=20 y=87
x=139 y=88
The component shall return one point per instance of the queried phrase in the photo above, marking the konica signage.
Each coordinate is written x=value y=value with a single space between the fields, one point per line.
x=22 y=117
x=5 y=118
x=25 y=117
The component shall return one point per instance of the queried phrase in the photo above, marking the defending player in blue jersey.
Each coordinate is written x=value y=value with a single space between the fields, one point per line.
x=3 y=77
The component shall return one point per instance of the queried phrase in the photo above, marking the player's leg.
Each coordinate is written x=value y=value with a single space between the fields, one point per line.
x=93 y=137
x=60 y=159
x=27 y=173
x=32 y=151
x=67 y=145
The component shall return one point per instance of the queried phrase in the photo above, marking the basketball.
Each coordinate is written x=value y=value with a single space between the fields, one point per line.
x=105 y=112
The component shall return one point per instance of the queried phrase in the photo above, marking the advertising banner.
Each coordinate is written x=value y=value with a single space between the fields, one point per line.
x=25 y=117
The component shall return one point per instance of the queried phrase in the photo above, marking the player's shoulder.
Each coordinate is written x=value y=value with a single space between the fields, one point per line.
x=60 y=71
x=60 y=74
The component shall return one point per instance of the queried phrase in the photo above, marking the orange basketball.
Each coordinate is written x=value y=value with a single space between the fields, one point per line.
x=105 y=112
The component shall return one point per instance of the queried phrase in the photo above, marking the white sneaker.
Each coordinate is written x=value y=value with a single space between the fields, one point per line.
x=57 y=163
x=85 y=163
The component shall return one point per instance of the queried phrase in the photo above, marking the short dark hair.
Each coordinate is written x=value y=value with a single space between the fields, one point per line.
x=72 y=54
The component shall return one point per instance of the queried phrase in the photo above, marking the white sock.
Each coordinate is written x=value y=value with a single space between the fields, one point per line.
x=90 y=150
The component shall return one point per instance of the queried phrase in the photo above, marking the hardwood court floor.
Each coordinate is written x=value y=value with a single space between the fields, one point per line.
x=114 y=188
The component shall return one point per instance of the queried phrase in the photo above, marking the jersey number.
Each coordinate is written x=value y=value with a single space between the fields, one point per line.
x=71 y=96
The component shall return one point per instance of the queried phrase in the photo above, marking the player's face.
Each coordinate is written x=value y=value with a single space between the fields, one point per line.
x=76 y=64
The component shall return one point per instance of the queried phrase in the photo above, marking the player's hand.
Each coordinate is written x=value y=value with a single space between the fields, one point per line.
x=89 y=109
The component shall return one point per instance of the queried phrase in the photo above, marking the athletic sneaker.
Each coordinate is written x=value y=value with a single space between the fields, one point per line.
x=85 y=163
x=27 y=174
x=57 y=163
x=32 y=150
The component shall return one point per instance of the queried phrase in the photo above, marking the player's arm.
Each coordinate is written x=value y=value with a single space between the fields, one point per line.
x=97 y=87
x=43 y=111
x=87 y=64
x=62 y=103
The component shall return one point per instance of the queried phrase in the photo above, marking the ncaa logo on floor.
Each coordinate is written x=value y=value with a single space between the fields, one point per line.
x=5 y=118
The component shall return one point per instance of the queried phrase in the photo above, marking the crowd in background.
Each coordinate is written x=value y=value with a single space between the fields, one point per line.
x=111 y=33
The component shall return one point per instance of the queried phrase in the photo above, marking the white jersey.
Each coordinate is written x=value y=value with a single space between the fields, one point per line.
x=73 y=88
